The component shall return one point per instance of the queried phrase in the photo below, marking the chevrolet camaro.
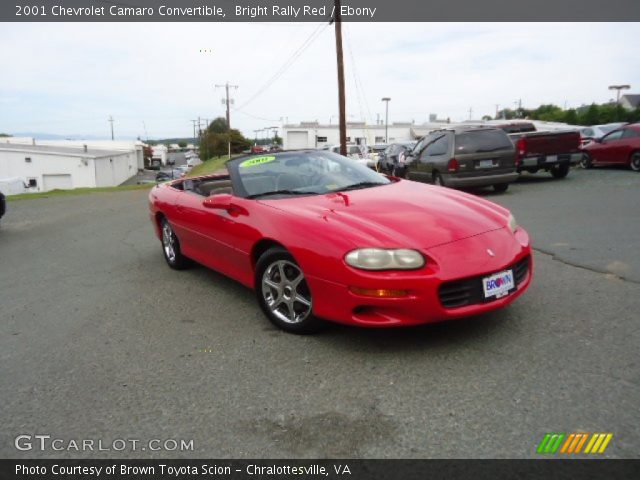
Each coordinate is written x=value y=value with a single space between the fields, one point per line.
x=320 y=237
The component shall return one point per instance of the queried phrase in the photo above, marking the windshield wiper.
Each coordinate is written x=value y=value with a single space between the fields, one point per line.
x=357 y=186
x=282 y=192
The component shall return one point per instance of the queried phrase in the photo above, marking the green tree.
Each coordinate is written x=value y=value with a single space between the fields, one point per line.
x=182 y=144
x=218 y=125
x=571 y=117
x=4 y=135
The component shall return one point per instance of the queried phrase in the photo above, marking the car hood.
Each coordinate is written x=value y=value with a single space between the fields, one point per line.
x=402 y=214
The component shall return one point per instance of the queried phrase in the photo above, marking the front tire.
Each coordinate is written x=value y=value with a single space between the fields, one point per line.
x=171 y=248
x=586 y=161
x=283 y=293
x=560 y=171
x=501 y=187
x=635 y=162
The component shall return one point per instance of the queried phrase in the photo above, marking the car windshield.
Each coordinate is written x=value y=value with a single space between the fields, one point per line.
x=297 y=173
x=482 y=141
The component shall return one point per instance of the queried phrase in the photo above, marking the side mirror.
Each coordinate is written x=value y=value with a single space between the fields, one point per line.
x=221 y=201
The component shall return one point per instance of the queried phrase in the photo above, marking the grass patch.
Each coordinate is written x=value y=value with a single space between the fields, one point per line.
x=209 y=166
x=78 y=191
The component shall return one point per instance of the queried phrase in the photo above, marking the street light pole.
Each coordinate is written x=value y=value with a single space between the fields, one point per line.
x=386 y=119
x=617 y=88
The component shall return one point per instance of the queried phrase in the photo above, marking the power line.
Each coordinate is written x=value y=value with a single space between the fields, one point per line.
x=285 y=66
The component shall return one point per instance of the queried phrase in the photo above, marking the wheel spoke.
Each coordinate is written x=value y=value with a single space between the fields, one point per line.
x=300 y=299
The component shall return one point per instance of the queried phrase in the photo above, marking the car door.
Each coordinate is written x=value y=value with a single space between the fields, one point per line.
x=629 y=144
x=435 y=156
x=611 y=148
x=415 y=168
x=206 y=235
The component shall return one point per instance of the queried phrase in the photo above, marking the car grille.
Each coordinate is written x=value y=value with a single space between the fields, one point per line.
x=469 y=290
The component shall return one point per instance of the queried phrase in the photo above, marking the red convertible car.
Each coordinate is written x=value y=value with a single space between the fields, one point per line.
x=620 y=147
x=319 y=236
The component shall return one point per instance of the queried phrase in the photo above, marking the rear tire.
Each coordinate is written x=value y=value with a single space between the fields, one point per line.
x=586 y=161
x=635 y=162
x=438 y=180
x=501 y=187
x=283 y=293
x=560 y=171
x=171 y=248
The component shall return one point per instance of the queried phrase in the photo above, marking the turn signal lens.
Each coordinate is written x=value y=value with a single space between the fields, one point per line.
x=383 y=259
x=379 y=293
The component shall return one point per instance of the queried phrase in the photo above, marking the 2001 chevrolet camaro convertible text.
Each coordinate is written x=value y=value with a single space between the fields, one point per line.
x=319 y=236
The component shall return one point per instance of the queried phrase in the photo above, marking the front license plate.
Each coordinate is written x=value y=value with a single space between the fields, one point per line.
x=498 y=284
x=485 y=164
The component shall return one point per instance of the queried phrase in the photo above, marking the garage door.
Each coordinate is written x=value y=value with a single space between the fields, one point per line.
x=53 y=182
x=297 y=140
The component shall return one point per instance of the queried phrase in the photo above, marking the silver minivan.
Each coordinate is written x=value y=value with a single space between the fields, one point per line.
x=464 y=156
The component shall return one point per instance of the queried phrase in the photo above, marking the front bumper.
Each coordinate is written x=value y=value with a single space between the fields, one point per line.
x=463 y=260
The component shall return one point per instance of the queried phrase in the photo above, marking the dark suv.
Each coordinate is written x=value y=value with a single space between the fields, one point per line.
x=464 y=156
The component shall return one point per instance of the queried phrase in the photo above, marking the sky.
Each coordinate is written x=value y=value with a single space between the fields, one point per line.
x=154 y=78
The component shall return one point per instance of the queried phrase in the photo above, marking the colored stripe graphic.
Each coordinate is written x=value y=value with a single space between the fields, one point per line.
x=550 y=443
x=574 y=443
x=598 y=443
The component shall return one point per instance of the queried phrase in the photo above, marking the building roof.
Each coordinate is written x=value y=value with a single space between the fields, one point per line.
x=632 y=99
x=61 y=151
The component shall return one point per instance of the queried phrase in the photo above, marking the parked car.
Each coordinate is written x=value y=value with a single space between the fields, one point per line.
x=595 y=132
x=318 y=236
x=376 y=151
x=620 y=147
x=3 y=204
x=193 y=161
x=393 y=160
x=166 y=175
x=258 y=149
x=464 y=156
x=359 y=153
x=551 y=151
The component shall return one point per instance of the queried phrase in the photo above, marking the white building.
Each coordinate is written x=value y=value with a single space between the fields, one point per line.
x=48 y=167
x=120 y=145
x=315 y=135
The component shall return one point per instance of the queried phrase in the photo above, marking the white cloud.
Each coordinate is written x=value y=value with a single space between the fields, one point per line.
x=69 y=77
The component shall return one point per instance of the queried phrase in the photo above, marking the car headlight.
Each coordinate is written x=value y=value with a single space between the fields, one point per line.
x=513 y=225
x=383 y=259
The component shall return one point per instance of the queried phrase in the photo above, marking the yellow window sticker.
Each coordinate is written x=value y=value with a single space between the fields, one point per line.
x=252 y=162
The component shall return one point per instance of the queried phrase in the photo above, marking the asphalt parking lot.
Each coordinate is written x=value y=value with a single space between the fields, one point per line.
x=99 y=339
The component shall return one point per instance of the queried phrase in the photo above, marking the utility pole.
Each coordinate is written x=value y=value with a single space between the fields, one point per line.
x=228 y=102
x=386 y=119
x=194 y=130
x=497 y=111
x=470 y=113
x=341 y=95
x=111 y=122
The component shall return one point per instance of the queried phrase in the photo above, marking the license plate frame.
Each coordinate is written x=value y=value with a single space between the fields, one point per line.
x=498 y=284
x=488 y=163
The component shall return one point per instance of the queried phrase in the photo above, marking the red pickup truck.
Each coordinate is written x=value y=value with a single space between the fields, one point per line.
x=551 y=151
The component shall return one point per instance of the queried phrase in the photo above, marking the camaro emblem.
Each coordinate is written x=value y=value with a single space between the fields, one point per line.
x=490 y=252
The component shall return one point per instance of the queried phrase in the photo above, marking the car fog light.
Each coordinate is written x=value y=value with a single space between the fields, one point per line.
x=379 y=293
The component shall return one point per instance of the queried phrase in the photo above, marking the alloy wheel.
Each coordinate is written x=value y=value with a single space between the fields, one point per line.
x=169 y=242
x=285 y=292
